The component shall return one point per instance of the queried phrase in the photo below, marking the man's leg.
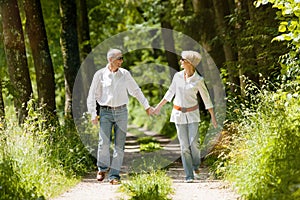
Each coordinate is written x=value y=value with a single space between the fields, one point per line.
x=120 y=130
x=103 y=155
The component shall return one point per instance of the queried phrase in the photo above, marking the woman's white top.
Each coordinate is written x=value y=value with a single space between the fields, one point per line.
x=185 y=91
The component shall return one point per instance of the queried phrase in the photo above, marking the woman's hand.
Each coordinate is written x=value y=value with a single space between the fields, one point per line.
x=214 y=122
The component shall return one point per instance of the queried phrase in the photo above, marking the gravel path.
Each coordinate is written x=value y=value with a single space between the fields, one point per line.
x=204 y=188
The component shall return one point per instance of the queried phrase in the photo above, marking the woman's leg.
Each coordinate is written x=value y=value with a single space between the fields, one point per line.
x=186 y=156
x=194 y=144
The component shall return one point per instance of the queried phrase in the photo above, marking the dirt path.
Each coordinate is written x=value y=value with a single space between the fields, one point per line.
x=204 y=188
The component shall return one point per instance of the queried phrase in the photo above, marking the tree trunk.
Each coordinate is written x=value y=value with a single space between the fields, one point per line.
x=70 y=49
x=16 y=56
x=196 y=6
x=2 y=108
x=254 y=74
x=228 y=51
x=167 y=36
x=2 y=64
x=241 y=57
x=41 y=55
x=83 y=30
x=169 y=47
x=202 y=28
x=88 y=67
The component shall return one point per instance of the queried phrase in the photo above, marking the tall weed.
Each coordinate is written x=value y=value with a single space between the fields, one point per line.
x=264 y=161
x=39 y=160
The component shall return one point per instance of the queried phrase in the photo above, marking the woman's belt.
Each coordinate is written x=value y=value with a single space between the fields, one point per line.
x=184 y=110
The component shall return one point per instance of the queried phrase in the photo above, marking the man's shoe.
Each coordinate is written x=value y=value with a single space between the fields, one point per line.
x=115 y=182
x=100 y=176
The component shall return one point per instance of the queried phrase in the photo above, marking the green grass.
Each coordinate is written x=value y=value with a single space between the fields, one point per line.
x=148 y=144
x=38 y=160
x=264 y=161
x=148 y=186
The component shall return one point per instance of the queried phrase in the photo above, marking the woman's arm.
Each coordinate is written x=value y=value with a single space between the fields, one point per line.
x=159 y=106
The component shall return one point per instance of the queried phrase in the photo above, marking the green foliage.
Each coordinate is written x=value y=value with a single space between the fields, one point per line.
x=154 y=80
x=146 y=140
x=251 y=37
x=263 y=162
x=288 y=13
x=148 y=144
x=11 y=185
x=148 y=186
x=150 y=147
x=39 y=160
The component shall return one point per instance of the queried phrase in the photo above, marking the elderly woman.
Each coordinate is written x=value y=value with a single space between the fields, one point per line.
x=185 y=114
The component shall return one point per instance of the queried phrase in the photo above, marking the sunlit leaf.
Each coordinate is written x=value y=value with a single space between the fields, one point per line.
x=257 y=3
x=292 y=27
x=287 y=37
x=297 y=11
x=282 y=28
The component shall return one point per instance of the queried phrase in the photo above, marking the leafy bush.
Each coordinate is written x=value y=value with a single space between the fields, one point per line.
x=11 y=185
x=39 y=160
x=148 y=186
x=264 y=159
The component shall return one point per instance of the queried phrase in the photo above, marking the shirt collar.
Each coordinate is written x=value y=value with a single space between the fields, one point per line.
x=110 y=72
x=194 y=77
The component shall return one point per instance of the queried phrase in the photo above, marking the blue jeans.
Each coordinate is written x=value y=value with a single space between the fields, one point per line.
x=188 y=137
x=116 y=121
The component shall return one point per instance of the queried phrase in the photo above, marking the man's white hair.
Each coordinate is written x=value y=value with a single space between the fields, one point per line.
x=112 y=53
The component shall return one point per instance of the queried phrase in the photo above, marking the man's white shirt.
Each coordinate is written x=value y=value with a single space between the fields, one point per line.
x=112 y=89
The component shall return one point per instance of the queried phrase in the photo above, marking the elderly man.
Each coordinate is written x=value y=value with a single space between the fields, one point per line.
x=110 y=88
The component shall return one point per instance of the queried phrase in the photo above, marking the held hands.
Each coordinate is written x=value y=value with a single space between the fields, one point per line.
x=153 y=111
x=150 y=111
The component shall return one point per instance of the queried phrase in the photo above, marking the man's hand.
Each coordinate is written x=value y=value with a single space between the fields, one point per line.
x=95 y=121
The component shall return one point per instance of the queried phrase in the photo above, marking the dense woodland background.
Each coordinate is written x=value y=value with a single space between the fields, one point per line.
x=255 y=45
x=52 y=38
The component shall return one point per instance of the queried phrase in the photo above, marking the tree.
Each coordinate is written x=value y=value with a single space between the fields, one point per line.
x=2 y=108
x=167 y=36
x=87 y=62
x=221 y=27
x=16 y=56
x=2 y=65
x=70 y=49
x=41 y=55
